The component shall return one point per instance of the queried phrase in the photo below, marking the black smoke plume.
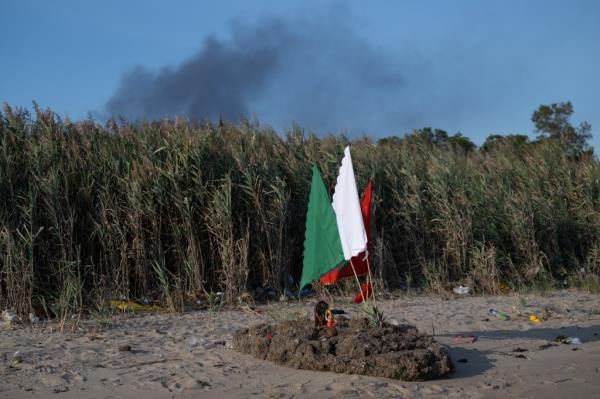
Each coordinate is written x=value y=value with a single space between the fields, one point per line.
x=315 y=71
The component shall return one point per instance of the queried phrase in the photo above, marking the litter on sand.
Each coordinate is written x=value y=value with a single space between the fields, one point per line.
x=498 y=314
x=461 y=290
x=133 y=306
x=563 y=339
x=535 y=319
x=464 y=339
x=9 y=316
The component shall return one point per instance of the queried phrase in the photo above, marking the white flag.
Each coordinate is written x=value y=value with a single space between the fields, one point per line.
x=347 y=210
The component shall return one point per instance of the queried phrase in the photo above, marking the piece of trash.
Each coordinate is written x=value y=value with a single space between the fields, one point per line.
x=144 y=301
x=16 y=358
x=338 y=311
x=9 y=316
x=33 y=318
x=563 y=339
x=464 y=339
x=229 y=344
x=500 y=315
x=133 y=306
x=533 y=317
x=461 y=290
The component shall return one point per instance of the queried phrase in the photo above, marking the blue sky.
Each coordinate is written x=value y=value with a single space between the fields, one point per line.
x=380 y=68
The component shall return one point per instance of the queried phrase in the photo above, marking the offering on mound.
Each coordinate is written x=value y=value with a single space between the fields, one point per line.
x=348 y=346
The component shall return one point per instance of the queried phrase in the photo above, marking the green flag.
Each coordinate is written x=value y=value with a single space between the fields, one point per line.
x=322 y=246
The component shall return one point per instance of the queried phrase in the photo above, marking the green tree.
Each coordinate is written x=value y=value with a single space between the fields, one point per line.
x=553 y=122
x=514 y=142
x=441 y=139
x=461 y=143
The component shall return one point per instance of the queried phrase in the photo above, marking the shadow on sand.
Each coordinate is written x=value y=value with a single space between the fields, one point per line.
x=479 y=361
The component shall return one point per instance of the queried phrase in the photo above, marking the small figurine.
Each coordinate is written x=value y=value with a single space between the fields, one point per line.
x=320 y=309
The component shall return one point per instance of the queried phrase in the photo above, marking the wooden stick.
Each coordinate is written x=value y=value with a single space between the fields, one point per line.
x=357 y=281
x=370 y=277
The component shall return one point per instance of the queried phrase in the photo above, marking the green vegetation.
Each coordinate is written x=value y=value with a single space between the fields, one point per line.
x=374 y=316
x=173 y=209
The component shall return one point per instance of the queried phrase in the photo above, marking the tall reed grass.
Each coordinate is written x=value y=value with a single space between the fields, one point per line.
x=173 y=209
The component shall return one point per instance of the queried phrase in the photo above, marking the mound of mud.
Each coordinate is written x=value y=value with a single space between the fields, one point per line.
x=351 y=347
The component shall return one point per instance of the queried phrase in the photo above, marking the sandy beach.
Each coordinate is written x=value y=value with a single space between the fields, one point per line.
x=188 y=355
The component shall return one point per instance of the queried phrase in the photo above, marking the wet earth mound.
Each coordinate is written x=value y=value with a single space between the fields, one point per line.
x=351 y=347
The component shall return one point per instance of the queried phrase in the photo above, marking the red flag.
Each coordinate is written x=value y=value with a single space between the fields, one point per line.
x=359 y=261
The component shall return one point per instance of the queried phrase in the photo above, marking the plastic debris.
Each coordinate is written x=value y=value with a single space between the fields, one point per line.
x=568 y=340
x=535 y=319
x=461 y=290
x=498 y=314
x=464 y=339
x=17 y=359
x=574 y=341
x=133 y=306
x=33 y=318
x=9 y=316
x=144 y=301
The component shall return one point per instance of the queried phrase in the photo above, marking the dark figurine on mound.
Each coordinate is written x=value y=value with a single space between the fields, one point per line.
x=320 y=309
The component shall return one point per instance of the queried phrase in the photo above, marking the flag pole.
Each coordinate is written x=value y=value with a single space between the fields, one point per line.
x=357 y=281
x=370 y=277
